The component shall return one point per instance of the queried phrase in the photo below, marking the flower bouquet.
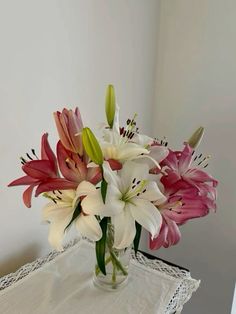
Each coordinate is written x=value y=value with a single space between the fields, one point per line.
x=111 y=188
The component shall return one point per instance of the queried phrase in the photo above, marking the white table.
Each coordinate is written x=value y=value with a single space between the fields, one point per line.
x=62 y=283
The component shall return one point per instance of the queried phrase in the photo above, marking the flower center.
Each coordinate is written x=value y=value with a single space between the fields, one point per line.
x=128 y=132
x=137 y=187
x=201 y=161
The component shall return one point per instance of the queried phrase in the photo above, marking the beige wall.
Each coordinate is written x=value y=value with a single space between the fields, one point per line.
x=196 y=85
x=56 y=53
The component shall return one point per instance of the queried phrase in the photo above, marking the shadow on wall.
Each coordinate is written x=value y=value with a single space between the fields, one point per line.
x=16 y=260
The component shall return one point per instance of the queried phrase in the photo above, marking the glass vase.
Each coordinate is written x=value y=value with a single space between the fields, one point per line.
x=116 y=263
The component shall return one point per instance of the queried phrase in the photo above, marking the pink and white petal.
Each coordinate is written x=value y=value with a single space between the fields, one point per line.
x=146 y=214
x=62 y=130
x=124 y=229
x=158 y=152
x=171 y=161
x=153 y=193
x=185 y=159
x=173 y=235
x=89 y=227
x=171 y=179
x=74 y=128
x=200 y=176
x=157 y=242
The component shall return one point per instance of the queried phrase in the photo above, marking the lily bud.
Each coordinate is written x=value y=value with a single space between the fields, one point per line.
x=92 y=146
x=196 y=138
x=110 y=105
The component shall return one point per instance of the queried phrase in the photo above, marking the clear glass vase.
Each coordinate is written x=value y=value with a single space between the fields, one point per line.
x=117 y=265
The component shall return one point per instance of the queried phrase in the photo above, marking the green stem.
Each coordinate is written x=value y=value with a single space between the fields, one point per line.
x=118 y=263
x=97 y=269
x=113 y=271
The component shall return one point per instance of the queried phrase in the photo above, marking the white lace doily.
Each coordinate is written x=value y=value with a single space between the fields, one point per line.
x=184 y=292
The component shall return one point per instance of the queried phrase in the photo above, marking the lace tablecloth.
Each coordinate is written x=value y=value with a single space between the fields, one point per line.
x=62 y=283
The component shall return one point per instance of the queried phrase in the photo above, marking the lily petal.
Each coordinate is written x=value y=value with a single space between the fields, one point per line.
x=55 y=184
x=130 y=151
x=146 y=214
x=47 y=153
x=185 y=159
x=124 y=229
x=27 y=195
x=23 y=181
x=157 y=242
x=85 y=188
x=89 y=227
x=158 y=152
x=110 y=176
x=39 y=169
x=74 y=170
x=133 y=170
x=59 y=218
x=93 y=204
x=153 y=193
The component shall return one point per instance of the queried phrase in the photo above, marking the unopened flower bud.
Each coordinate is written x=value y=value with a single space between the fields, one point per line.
x=92 y=146
x=196 y=138
x=110 y=105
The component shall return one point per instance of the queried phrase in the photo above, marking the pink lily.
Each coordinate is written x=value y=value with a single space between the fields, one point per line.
x=179 y=207
x=74 y=168
x=169 y=234
x=69 y=125
x=180 y=171
x=42 y=173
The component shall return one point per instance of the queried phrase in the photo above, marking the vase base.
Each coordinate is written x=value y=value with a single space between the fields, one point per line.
x=109 y=286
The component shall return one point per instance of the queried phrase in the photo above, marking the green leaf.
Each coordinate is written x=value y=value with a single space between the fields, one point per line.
x=104 y=190
x=101 y=246
x=110 y=105
x=137 y=236
x=92 y=146
x=75 y=214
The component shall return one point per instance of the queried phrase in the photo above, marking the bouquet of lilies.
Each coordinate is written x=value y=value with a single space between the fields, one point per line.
x=125 y=177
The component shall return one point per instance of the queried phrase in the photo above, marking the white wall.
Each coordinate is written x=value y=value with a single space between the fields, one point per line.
x=56 y=53
x=196 y=85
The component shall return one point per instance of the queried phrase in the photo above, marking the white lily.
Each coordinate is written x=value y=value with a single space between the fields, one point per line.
x=59 y=213
x=123 y=146
x=129 y=198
